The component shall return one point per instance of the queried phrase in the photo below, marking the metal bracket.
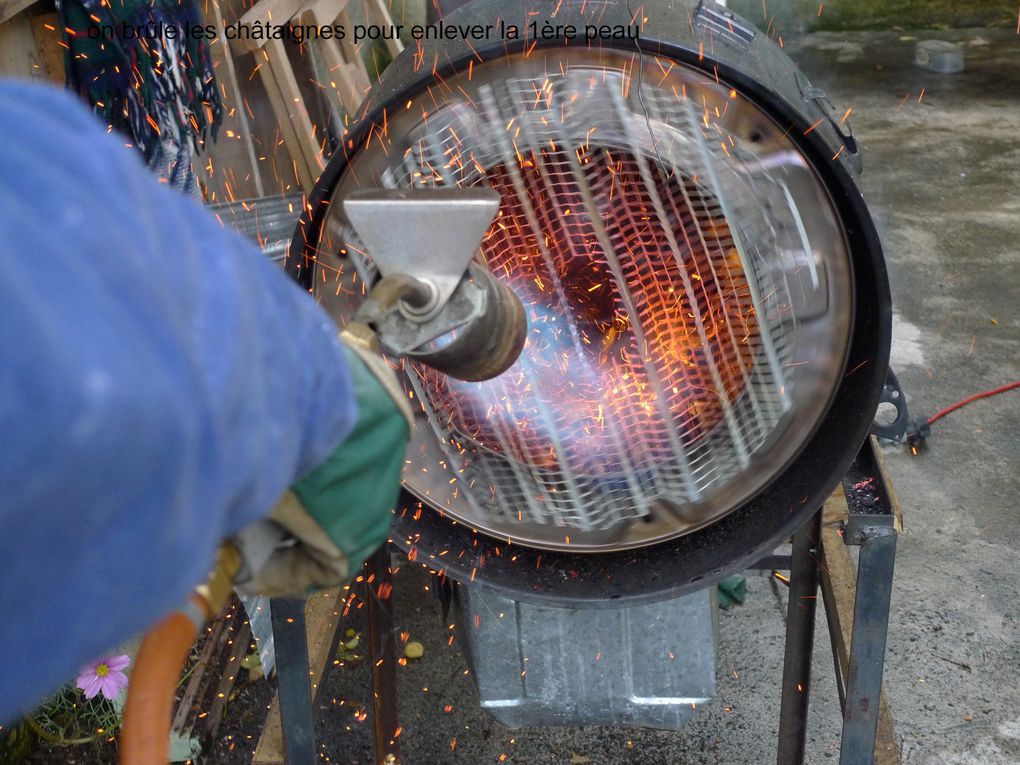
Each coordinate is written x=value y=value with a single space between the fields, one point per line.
x=903 y=429
x=892 y=393
x=431 y=234
x=841 y=127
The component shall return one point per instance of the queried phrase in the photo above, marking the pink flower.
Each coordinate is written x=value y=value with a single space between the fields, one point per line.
x=104 y=676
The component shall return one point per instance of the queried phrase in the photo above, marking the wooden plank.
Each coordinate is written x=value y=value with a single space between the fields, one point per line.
x=46 y=28
x=223 y=163
x=890 y=489
x=342 y=75
x=305 y=176
x=194 y=690
x=350 y=81
x=355 y=81
x=239 y=647
x=19 y=54
x=839 y=586
x=322 y=617
x=381 y=13
x=325 y=12
x=273 y=157
x=11 y=8
x=274 y=12
x=352 y=52
x=295 y=109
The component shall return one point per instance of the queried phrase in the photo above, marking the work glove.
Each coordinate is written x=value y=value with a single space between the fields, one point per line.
x=334 y=518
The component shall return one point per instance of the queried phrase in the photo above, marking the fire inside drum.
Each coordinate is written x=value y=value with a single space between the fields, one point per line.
x=583 y=353
x=686 y=284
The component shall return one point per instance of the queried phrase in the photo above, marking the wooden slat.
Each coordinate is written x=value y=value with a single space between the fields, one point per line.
x=839 y=583
x=306 y=176
x=276 y=12
x=46 y=28
x=322 y=617
x=11 y=8
x=890 y=489
x=325 y=12
x=295 y=111
x=235 y=169
x=352 y=52
x=194 y=691
x=351 y=81
x=19 y=53
x=239 y=647
x=380 y=12
x=343 y=74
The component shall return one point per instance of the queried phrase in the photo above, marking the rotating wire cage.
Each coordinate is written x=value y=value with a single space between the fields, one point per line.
x=687 y=321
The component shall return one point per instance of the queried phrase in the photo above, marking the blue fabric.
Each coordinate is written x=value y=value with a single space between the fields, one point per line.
x=161 y=384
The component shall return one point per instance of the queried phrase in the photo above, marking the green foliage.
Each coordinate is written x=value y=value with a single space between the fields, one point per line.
x=16 y=743
x=68 y=718
x=906 y=14
x=788 y=16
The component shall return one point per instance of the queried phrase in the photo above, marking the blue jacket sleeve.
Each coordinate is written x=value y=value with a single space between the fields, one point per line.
x=161 y=384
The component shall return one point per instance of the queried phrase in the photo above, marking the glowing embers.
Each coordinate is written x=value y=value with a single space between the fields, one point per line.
x=642 y=329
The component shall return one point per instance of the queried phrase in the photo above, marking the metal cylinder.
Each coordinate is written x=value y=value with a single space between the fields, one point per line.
x=487 y=346
x=716 y=385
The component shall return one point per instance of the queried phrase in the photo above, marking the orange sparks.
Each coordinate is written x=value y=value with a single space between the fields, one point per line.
x=819 y=122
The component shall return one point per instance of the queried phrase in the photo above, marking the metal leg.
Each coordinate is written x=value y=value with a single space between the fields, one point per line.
x=291 y=641
x=382 y=655
x=867 y=648
x=800 y=632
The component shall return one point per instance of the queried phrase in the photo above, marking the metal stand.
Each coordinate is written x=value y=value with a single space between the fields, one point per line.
x=290 y=638
x=868 y=520
x=819 y=558
x=800 y=637
x=382 y=656
x=290 y=642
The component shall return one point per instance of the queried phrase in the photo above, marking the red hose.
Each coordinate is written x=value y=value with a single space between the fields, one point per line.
x=145 y=736
x=985 y=394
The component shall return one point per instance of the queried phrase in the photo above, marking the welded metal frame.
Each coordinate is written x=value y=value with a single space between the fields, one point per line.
x=290 y=636
x=871 y=525
x=290 y=642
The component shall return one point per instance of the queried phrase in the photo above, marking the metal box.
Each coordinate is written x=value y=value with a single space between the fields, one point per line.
x=648 y=665
x=939 y=56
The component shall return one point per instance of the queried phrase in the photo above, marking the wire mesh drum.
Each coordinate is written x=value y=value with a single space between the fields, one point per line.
x=686 y=280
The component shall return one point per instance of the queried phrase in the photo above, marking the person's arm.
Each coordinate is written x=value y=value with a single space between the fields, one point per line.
x=161 y=385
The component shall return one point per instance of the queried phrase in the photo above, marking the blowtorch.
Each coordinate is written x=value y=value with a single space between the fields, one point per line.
x=439 y=306
x=433 y=302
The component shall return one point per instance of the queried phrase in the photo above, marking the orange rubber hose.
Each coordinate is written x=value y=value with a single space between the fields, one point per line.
x=144 y=739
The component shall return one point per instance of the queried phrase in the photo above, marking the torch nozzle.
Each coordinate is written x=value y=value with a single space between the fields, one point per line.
x=436 y=302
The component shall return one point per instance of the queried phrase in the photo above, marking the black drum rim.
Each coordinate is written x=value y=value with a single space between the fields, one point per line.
x=690 y=562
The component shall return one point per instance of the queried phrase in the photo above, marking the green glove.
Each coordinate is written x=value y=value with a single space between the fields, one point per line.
x=339 y=514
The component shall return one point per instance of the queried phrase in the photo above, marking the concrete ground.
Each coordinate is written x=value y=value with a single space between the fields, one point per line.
x=942 y=175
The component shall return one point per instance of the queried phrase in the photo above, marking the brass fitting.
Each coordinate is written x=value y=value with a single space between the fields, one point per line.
x=216 y=590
